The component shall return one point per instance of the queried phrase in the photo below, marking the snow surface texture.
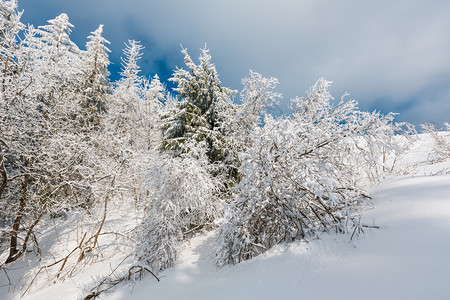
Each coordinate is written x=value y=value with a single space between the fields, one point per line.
x=406 y=258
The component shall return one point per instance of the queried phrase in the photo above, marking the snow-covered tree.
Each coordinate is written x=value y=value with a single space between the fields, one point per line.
x=51 y=164
x=10 y=17
x=202 y=111
x=133 y=117
x=95 y=87
x=56 y=60
x=127 y=106
x=156 y=90
x=10 y=26
x=10 y=60
x=302 y=174
x=15 y=132
x=154 y=97
x=130 y=68
x=257 y=97
x=184 y=201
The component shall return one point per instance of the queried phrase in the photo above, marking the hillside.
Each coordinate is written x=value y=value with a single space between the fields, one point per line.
x=405 y=257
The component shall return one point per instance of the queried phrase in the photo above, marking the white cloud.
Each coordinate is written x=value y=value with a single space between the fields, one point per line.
x=372 y=49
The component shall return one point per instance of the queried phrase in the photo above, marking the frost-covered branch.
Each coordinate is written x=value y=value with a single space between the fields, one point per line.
x=302 y=174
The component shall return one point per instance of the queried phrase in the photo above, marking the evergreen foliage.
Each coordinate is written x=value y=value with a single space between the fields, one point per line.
x=96 y=86
x=201 y=113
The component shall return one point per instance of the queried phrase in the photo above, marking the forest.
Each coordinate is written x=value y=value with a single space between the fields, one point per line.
x=75 y=147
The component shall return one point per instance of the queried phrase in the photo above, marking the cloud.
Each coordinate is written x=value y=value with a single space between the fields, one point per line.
x=375 y=50
x=430 y=105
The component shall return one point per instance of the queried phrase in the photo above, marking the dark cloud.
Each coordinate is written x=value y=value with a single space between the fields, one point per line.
x=392 y=50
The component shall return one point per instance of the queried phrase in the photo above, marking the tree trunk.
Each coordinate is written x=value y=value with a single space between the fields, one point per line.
x=4 y=176
x=3 y=172
x=16 y=225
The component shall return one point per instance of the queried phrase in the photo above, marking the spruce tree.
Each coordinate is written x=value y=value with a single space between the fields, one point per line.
x=127 y=109
x=95 y=86
x=201 y=113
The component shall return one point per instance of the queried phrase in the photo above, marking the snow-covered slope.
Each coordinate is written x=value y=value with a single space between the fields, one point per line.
x=407 y=257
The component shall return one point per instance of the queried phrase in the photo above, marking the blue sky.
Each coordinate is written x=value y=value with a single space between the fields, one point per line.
x=389 y=55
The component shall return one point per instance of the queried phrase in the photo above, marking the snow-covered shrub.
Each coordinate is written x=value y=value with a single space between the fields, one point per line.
x=302 y=175
x=257 y=96
x=183 y=200
x=441 y=147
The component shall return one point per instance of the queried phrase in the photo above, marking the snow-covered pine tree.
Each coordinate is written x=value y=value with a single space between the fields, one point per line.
x=127 y=106
x=183 y=124
x=155 y=90
x=130 y=67
x=95 y=86
x=302 y=174
x=202 y=111
x=184 y=182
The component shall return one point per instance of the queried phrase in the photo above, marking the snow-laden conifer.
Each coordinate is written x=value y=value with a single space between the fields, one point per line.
x=130 y=67
x=200 y=113
x=127 y=107
x=95 y=86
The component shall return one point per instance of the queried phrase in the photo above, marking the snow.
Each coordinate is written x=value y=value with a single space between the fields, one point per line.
x=407 y=257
